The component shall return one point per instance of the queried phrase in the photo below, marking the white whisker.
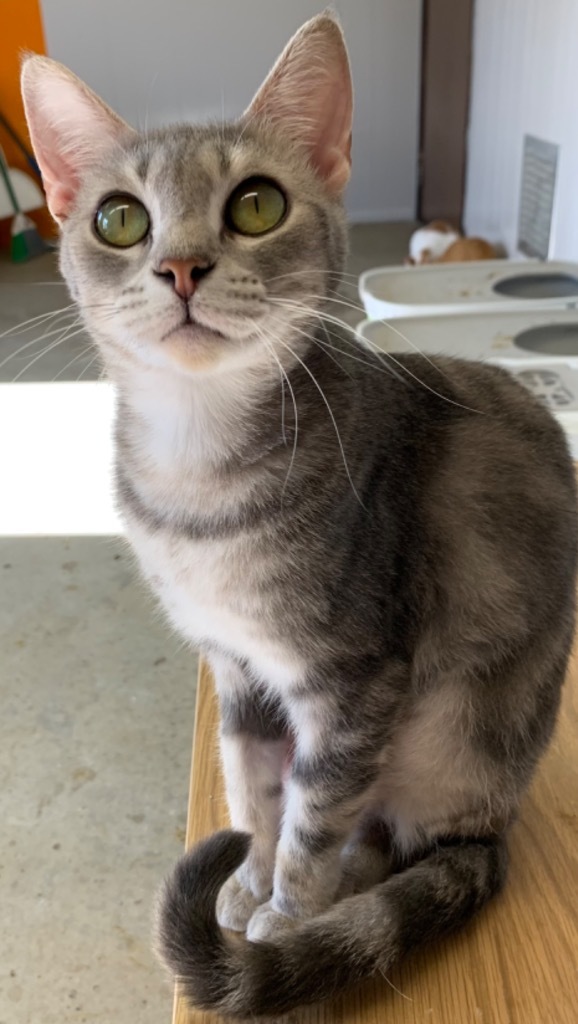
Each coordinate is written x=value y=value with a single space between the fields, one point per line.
x=36 y=321
x=387 y=323
x=75 y=359
x=37 y=341
x=87 y=368
x=388 y=370
x=391 y=985
x=285 y=377
x=381 y=354
x=353 y=341
x=316 y=341
x=308 y=272
x=152 y=84
x=330 y=411
x=66 y=337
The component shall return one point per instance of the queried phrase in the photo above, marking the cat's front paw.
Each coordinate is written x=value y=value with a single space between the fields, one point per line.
x=235 y=905
x=267 y=923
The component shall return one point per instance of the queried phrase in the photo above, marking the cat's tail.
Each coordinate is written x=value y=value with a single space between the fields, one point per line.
x=356 y=938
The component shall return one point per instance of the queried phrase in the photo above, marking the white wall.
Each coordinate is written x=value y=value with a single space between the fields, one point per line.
x=525 y=80
x=188 y=59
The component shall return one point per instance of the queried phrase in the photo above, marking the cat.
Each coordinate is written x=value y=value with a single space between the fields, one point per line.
x=430 y=241
x=464 y=249
x=439 y=242
x=376 y=555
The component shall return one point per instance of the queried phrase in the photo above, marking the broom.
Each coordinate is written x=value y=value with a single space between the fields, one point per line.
x=18 y=141
x=25 y=241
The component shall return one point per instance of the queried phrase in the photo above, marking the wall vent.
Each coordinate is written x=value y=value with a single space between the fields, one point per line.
x=539 y=166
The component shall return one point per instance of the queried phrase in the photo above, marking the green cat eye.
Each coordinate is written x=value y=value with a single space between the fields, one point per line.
x=121 y=221
x=255 y=207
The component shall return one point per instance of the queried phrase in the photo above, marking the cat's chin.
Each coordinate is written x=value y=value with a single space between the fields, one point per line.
x=193 y=347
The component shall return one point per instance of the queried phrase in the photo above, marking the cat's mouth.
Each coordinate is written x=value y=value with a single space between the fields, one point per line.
x=190 y=328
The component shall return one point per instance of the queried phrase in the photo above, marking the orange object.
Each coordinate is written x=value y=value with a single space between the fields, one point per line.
x=21 y=29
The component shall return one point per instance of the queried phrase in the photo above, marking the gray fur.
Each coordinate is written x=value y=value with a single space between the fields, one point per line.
x=378 y=561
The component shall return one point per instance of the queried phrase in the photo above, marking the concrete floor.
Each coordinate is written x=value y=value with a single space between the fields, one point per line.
x=95 y=736
x=95 y=730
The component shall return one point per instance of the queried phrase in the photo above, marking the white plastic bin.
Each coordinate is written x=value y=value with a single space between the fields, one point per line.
x=441 y=289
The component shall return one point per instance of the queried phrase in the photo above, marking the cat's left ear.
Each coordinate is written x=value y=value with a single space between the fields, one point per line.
x=68 y=125
x=308 y=95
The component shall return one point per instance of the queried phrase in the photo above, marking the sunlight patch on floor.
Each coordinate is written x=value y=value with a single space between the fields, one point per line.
x=56 y=459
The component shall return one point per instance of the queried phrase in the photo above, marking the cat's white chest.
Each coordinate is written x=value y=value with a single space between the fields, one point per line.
x=208 y=593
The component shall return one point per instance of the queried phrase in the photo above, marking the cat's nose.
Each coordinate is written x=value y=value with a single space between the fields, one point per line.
x=184 y=275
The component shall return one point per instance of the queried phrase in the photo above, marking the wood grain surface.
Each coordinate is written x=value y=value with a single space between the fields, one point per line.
x=517 y=963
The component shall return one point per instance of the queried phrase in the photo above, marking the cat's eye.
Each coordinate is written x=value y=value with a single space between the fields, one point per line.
x=256 y=206
x=121 y=221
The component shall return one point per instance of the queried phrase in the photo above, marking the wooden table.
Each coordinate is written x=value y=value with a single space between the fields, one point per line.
x=516 y=964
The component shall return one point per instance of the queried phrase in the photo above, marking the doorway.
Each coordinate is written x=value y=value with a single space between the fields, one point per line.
x=445 y=93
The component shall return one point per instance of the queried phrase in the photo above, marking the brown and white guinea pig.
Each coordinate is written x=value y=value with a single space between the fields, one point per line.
x=439 y=242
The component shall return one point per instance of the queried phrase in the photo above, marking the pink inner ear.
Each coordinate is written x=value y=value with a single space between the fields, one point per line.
x=308 y=94
x=331 y=152
x=68 y=125
x=59 y=196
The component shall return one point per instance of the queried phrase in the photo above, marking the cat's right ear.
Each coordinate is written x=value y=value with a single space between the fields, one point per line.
x=68 y=123
x=308 y=96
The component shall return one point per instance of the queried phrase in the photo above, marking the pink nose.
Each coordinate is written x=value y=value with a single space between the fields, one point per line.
x=184 y=275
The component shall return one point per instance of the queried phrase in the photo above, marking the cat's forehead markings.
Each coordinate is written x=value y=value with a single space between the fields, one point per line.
x=239 y=157
x=213 y=159
x=183 y=164
x=141 y=164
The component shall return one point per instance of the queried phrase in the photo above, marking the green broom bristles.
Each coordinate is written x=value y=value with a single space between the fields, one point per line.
x=25 y=240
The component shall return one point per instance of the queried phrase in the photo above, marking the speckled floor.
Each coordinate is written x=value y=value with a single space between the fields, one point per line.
x=97 y=705
x=95 y=735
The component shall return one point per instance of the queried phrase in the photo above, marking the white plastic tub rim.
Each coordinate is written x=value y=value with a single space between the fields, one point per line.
x=506 y=284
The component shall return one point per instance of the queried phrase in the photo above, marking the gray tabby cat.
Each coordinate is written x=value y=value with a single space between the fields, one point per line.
x=378 y=560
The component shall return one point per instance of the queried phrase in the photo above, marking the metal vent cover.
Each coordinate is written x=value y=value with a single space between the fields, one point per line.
x=539 y=167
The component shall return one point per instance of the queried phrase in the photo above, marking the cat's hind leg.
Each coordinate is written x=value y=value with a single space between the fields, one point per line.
x=367 y=858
